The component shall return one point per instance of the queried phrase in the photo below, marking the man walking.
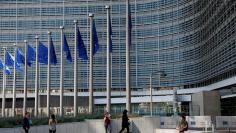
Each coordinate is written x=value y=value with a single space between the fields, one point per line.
x=26 y=124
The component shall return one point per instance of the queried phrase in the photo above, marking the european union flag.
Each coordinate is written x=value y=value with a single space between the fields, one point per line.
x=1 y=64
x=67 y=49
x=10 y=61
x=7 y=71
x=95 y=39
x=81 y=48
x=53 y=57
x=110 y=36
x=20 y=57
x=42 y=53
x=31 y=54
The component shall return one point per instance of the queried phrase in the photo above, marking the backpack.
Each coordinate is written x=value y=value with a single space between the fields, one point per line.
x=107 y=121
x=30 y=122
x=186 y=129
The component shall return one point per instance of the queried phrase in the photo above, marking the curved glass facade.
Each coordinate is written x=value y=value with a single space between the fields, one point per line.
x=191 y=41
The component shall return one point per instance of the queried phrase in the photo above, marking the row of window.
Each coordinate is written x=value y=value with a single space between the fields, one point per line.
x=194 y=50
x=89 y=8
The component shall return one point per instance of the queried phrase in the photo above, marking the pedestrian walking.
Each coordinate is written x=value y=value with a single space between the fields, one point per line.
x=125 y=122
x=182 y=125
x=107 y=122
x=52 y=124
x=26 y=124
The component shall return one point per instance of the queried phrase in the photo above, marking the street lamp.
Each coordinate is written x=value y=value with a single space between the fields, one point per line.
x=161 y=74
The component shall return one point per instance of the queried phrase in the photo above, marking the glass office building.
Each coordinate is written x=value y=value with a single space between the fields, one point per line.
x=191 y=41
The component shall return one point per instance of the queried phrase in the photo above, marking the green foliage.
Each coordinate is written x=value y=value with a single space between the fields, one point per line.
x=10 y=122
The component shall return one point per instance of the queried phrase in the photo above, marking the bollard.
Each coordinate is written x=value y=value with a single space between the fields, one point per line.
x=212 y=128
x=205 y=126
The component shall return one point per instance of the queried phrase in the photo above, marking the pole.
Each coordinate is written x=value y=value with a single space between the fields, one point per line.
x=159 y=80
x=175 y=101
x=128 y=42
x=108 y=61
x=91 y=65
x=4 y=84
x=61 y=73
x=48 y=74
x=36 y=79
x=151 y=106
x=14 y=75
x=14 y=83
x=25 y=79
x=75 y=69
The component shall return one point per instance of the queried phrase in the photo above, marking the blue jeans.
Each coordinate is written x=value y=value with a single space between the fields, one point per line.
x=108 y=128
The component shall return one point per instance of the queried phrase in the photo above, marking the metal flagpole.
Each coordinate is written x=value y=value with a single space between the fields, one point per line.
x=25 y=79
x=128 y=42
x=48 y=74
x=175 y=111
x=108 y=61
x=4 y=83
x=91 y=65
x=36 y=79
x=14 y=84
x=75 y=69
x=61 y=73
x=14 y=77
x=151 y=101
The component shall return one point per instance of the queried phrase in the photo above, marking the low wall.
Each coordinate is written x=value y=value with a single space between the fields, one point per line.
x=168 y=122
x=193 y=122
x=199 y=121
x=145 y=124
x=226 y=122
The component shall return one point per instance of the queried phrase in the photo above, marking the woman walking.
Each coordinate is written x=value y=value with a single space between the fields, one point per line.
x=107 y=122
x=52 y=124
x=182 y=125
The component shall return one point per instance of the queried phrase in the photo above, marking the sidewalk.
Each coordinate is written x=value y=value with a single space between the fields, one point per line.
x=189 y=131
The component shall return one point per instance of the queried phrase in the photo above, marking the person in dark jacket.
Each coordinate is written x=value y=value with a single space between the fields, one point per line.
x=26 y=125
x=125 y=122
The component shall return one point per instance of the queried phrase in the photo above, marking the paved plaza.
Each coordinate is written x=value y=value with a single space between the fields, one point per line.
x=138 y=125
